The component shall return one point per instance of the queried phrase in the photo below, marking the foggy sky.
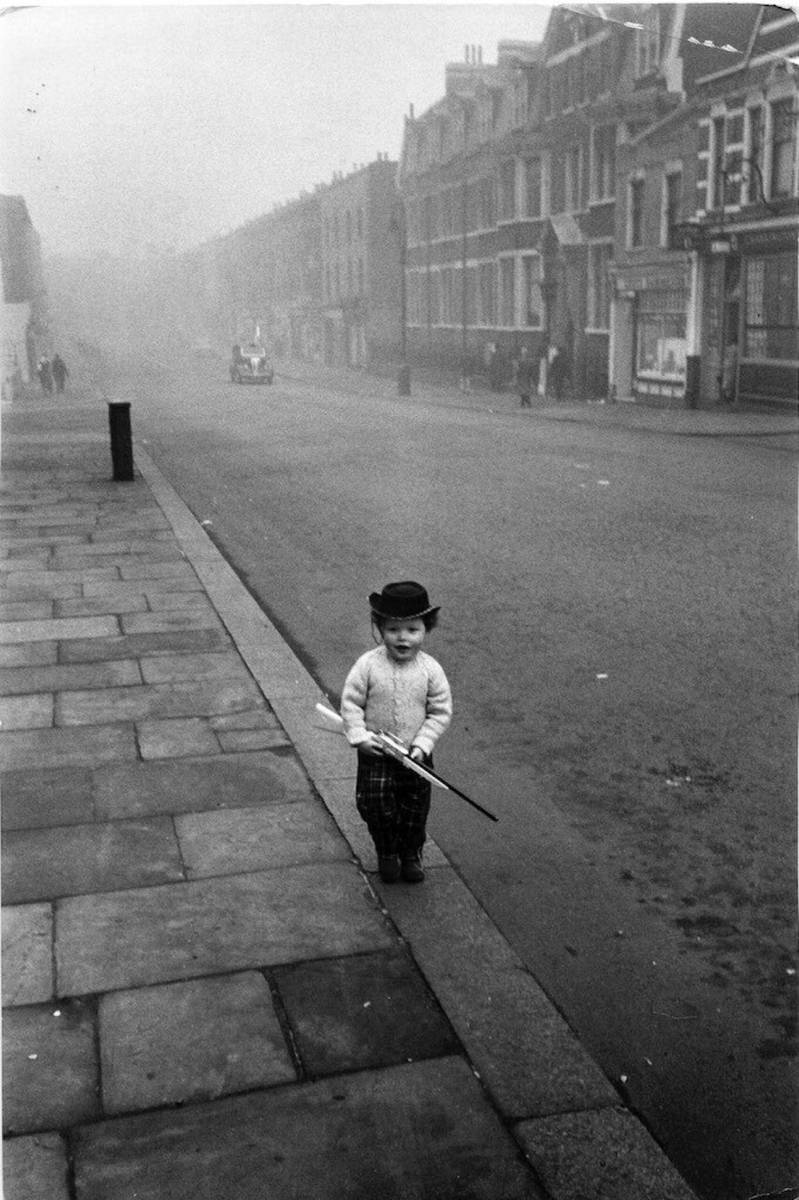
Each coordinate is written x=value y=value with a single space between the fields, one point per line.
x=128 y=128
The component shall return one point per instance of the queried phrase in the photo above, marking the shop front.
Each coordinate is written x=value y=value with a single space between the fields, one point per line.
x=768 y=370
x=651 y=307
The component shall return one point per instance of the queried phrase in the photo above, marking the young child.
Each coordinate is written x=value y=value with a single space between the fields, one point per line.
x=396 y=688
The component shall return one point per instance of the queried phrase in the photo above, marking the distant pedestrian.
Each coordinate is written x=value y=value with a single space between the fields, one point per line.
x=729 y=374
x=526 y=377
x=492 y=365
x=558 y=372
x=45 y=372
x=396 y=688
x=60 y=372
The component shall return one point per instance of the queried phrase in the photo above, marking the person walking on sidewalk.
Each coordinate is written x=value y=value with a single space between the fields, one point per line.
x=60 y=372
x=526 y=378
x=44 y=370
x=396 y=688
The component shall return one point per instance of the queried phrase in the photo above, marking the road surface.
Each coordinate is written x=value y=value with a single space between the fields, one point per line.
x=617 y=626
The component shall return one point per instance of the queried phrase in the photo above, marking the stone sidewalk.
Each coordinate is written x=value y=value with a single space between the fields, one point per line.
x=207 y=991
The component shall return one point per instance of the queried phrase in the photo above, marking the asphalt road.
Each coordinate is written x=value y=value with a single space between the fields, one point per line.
x=617 y=626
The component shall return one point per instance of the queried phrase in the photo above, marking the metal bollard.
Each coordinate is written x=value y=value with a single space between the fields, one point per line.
x=121 y=444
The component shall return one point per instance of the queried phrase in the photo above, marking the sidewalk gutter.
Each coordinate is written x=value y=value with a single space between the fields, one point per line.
x=567 y=1117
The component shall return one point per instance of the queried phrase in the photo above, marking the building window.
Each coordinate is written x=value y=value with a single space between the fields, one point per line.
x=486 y=191
x=672 y=208
x=755 y=172
x=557 y=183
x=661 y=335
x=783 y=147
x=507 y=190
x=647 y=45
x=532 y=298
x=486 y=292
x=603 y=182
x=532 y=187
x=635 y=229
x=519 y=101
x=770 y=329
x=507 y=291
x=600 y=254
x=572 y=179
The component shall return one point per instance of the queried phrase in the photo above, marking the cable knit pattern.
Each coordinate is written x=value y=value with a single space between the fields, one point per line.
x=411 y=700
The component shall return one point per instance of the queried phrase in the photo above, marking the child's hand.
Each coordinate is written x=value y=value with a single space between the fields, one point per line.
x=371 y=746
x=416 y=754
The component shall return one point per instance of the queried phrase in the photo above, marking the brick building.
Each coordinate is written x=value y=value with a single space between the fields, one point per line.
x=318 y=276
x=570 y=196
x=361 y=266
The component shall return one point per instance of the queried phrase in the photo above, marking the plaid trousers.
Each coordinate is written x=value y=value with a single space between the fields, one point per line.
x=394 y=803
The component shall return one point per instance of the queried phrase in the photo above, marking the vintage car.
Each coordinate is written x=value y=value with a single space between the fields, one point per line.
x=251 y=364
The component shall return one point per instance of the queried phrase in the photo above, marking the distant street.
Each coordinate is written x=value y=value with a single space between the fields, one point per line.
x=617 y=625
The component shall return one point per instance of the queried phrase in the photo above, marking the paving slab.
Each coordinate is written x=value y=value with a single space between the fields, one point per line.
x=168 y=620
x=327 y=754
x=50 y=1075
x=56 y=630
x=527 y=1056
x=362 y=1012
x=33 y=798
x=190 y=1041
x=157 y=701
x=606 y=1155
x=194 y=785
x=28 y=654
x=15 y=681
x=420 y=1131
x=90 y=606
x=254 y=839
x=213 y=926
x=26 y=712
x=140 y=645
x=35 y=1167
x=195 y=602
x=160 y=570
x=178 y=738
x=237 y=741
x=27 y=954
x=28 y=610
x=73 y=860
x=74 y=747
x=221 y=664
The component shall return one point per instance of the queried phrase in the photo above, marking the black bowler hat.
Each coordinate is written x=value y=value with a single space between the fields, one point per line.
x=403 y=600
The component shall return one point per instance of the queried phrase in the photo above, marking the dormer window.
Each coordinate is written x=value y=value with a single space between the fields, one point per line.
x=647 y=44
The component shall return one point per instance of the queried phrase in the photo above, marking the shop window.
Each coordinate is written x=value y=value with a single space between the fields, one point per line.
x=783 y=147
x=661 y=335
x=770 y=327
x=599 y=259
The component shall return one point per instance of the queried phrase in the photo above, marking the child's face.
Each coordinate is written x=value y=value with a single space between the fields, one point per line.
x=402 y=637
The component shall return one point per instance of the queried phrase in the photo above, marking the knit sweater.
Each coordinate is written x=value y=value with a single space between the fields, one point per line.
x=410 y=700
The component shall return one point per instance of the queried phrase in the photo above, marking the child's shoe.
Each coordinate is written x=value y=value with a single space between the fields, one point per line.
x=389 y=868
x=412 y=868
